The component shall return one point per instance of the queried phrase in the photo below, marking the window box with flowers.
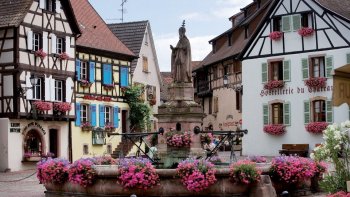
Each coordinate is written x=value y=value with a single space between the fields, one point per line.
x=275 y=129
x=61 y=108
x=108 y=86
x=84 y=83
x=109 y=128
x=274 y=84
x=275 y=35
x=63 y=56
x=86 y=126
x=316 y=127
x=306 y=31
x=40 y=53
x=316 y=82
x=42 y=106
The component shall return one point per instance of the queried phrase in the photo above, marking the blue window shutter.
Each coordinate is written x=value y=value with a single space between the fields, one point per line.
x=116 y=117
x=102 y=115
x=107 y=74
x=124 y=77
x=92 y=72
x=77 y=68
x=77 y=114
x=93 y=114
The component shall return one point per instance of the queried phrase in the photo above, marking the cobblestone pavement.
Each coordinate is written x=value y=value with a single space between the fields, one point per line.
x=29 y=187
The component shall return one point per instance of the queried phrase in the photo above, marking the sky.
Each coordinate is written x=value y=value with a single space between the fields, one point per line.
x=205 y=19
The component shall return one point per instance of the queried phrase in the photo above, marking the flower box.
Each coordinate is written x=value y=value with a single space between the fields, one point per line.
x=109 y=128
x=316 y=127
x=306 y=31
x=86 y=126
x=108 y=86
x=40 y=53
x=275 y=129
x=84 y=83
x=63 y=56
x=317 y=82
x=42 y=105
x=275 y=35
x=62 y=107
x=274 y=84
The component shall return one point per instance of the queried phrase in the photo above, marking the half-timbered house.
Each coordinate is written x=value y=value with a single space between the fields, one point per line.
x=288 y=68
x=37 y=50
x=102 y=71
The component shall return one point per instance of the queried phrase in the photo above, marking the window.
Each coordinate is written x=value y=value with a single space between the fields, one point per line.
x=33 y=143
x=58 y=90
x=145 y=64
x=276 y=70
x=108 y=115
x=277 y=24
x=216 y=104
x=215 y=72
x=237 y=67
x=50 y=5
x=36 y=41
x=277 y=113
x=84 y=113
x=83 y=70
x=37 y=89
x=239 y=101
x=60 y=48
x=319 y=111
x=109 y=148
x=317 y=67
x=85 y=149
x=306 y=20
x=146 y=39
x=210 y=105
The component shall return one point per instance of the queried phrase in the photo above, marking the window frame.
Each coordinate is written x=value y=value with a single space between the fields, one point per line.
x=277 y=115
x=37 y=41
x=59 y=88
x=320 y=67
x=320 y=116
x=60 y=45
x=38 y=89
x=108 y=120
x=50 y=5
x=275 y=72
x=85 y=149
x=84 y=70
x=145 y=64
x=83 y=118
x=277 y=24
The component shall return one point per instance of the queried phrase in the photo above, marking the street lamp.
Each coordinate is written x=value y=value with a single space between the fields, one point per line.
x=33 y=81
x=238 y=87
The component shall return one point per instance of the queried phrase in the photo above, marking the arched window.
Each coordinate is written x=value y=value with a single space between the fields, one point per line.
x=33 y=143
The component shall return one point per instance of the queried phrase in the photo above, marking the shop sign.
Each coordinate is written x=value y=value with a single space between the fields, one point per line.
x=297 y=90
x=15 y=127
x=36 y=125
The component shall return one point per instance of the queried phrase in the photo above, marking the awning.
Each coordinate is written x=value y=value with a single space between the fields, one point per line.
x=341 y=85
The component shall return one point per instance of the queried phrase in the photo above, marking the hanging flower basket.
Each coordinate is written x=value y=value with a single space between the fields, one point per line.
x=62 y=107
x=63 y=56
x=178 y=138
x=274 y=84
x=40 y=53
x=108 y=86
x=84 y=83
x=153 y=101
x=275 y=35
x=317 y=82
x=316 y=127
x=86 y=126
x=306 y=31
x=275 y=129
x=42 y=105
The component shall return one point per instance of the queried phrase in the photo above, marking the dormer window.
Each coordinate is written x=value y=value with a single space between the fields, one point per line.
x=50 y=5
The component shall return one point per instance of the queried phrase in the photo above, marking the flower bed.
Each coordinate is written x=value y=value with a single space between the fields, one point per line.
x=53 y=171
x=244 y=172
x=40 y=53
x=196 y=175
x=316 y=127
x=317 y=82
x=137 y=173
x=275 y=129
x=178 y=138
x=62 y=107
x=63 y=56
x=274 y=84
x=84 y=83
x=81 y=172
x=306 y=31
x=42 y=105
x=275 y=35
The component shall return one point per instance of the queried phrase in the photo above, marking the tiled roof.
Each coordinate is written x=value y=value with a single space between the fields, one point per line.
x=195 y=64
x=95 y=33
x=340 y=7
x=12 y=12
x=131 y=34
x=167 y=80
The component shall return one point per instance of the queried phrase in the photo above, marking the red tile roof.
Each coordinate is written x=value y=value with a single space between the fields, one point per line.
x=95 y=32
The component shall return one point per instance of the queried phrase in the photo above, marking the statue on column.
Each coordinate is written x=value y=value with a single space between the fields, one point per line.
x=181 y=69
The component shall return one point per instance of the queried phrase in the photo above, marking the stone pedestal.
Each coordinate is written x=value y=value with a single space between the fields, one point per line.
x=180 y=109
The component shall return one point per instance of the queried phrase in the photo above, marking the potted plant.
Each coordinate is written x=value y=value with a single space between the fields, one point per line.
x=109 y=128
x=40 y=53
x=84 y=83
x=82 y=172
x=274 y=84
x=275 y=129
x=178 y=138
x=62 y=107
x=244 y=172
x=316 y=127
x=316 y=82
x=42 y=105
x=137 y=173
x=54 y=171
x=86 y=126
x=306 y=31
x=196 y=175
x=63 y=56
x=275 y=35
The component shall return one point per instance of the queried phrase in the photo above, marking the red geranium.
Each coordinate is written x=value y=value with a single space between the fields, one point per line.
x=305 y=31
x=275 y=129
x=275 y=35
x=316 y=127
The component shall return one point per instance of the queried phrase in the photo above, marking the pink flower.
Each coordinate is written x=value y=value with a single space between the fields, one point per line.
x=274 y=84
x=40 y=53
x=316 y=127
x=42 y=105
x=63 y=56
x=305 y=31
x=275 y=35
x=244 y=171
x=53 y=171
x=275 y=129
x=81 y=172
x=317 y=82
x=62 y=107
x=178 y=138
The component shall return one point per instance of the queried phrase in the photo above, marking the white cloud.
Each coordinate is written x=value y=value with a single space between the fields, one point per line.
x=227 y=8
x=199 y=48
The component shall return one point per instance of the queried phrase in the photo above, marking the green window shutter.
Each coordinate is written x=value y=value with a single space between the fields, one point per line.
x=348 y=58
x=296 y=22
x=264 y=72
x=286 y=113
x=266 y=114
x=286 y=70
x=305 y=67
x=329 y=66
x=329 y=111
x=306 y=112
x=286 y=23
